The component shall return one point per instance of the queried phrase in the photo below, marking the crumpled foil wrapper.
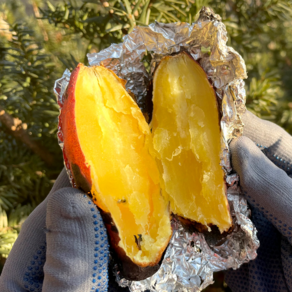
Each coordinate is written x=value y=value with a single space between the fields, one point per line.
x=190 y=259
x=60 y=88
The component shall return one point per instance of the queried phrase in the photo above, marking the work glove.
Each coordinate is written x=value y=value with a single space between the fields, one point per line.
x=263 y=159
x=62 y=247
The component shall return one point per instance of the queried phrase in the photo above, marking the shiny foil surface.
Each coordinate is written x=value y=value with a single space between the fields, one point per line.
x=191 y=258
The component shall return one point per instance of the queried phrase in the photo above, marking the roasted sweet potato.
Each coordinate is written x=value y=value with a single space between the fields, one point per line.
x=186 y=139
x=106 y=143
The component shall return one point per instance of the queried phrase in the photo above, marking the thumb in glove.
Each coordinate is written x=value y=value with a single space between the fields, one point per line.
x=262 y=158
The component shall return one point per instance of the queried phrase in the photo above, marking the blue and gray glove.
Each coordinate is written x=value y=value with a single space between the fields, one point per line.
x=62 y=247
x=263 y=160
x=63 y=244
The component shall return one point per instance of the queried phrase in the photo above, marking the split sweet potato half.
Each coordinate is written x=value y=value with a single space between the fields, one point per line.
x=186 y=140
x=106 y=142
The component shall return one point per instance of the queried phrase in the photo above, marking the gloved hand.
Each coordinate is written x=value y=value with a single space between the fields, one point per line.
x=263 y=159
x=62 y=247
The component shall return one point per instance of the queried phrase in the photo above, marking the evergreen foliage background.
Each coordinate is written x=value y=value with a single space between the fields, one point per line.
x=39 y=40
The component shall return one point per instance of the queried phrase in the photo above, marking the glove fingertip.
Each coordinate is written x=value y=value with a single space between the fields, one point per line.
x=62 y=181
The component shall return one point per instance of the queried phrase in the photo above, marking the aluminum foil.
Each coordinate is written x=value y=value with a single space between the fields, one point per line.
x=190 y=259
x=205 y=40
x=59 y=90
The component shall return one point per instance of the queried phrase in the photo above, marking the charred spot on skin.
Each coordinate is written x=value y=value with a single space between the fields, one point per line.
x=78 y=176
x=211 y=233
x=114 y=228
x=215 y=237
x=65 y=95
x=138 y=240
x=107 y=219
x=192 y=226
x=146 y=104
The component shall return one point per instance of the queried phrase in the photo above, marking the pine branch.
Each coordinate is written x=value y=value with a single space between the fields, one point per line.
x=18 y=129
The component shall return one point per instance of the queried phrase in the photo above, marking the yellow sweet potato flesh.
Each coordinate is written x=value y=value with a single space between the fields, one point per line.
x=186 y=139
x=115 y=139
